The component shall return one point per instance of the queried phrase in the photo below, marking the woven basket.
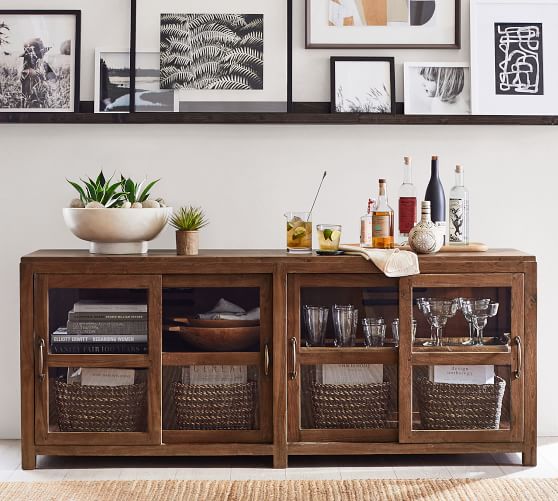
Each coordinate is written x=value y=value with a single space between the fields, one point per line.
x=215 y=407
x=350 y=406
x=461 y=406
x=100 y=408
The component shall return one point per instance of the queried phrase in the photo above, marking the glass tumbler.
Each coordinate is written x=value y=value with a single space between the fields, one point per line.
x=315 y=322
x=374 y=332
x=395 y=331
x=299 y=232
x=345 y=323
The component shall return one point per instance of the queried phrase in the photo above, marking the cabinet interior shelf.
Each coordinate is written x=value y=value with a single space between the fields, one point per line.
x=302 y=113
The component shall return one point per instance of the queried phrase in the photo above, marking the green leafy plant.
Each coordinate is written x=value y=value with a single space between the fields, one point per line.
x=136 y=192
x=189 y=219
x=100 y=190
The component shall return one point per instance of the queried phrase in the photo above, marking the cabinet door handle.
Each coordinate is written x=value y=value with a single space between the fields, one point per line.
x=519 y=358
x=267 y=362
x=293 y=373
x=42 y=375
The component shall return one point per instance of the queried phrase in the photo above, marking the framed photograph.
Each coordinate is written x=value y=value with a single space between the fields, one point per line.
x=383 y=24
x=437 y=89
x=514 y=69
x=112 y=83
x=220 y=57
x=363 y=85
x=39 y=60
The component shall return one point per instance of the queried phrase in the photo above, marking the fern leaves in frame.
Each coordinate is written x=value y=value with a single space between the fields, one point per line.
x=212 y=51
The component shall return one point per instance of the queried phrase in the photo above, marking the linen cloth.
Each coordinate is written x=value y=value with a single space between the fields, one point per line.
x=394 y=263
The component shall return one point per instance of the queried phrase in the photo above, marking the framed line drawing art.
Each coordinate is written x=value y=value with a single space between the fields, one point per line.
x=363 y=85
x=383 y=24
x=514 y=69
x=40 y=60
x=437 y=89
x=112 y=83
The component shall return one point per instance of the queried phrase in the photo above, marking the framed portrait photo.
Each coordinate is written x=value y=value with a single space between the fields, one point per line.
x=437 y=89
x=363 y=85
x=514 y=70
x=112 y=83
x=39 y=60
x=383 y=24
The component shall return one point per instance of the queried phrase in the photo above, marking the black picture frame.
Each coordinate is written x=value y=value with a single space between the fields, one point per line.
x=336 y=59
x=77 y=48
x=309 y=45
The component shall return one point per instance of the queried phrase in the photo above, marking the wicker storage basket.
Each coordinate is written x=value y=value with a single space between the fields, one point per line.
x=100 y=408
x=215 y=407
x=350 y=406
x=461 y=406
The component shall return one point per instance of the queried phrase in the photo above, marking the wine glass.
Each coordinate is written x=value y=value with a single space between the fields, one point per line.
x=423 y=307
x=440 y=311
x=464 y=306
x=480 y=319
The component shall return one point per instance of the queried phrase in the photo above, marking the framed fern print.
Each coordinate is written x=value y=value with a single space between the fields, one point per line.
x=220 y=56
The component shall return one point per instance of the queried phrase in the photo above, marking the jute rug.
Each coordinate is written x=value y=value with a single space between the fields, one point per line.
x=295 y=490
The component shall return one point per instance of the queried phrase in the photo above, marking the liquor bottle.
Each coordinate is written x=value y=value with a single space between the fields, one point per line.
x=366 y=226
x=407 y=216
x=437 y=198
x=459 y=210
x=383 y=221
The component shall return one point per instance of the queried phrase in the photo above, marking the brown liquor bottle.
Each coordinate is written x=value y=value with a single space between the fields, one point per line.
x=383 y=233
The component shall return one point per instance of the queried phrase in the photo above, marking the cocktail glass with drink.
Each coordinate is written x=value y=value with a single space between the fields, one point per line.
x=299 y=232
x=329 y=236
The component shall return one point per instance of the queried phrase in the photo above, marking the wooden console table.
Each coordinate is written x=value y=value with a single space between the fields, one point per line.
x=287 y=374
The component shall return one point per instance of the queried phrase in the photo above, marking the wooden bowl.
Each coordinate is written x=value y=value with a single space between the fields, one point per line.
x=219 y=339
x=196 y=322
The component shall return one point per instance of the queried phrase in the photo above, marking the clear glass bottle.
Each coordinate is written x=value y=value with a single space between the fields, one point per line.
x=459 y=210
x=383 y=221
x=366 y=226
x=407 y=214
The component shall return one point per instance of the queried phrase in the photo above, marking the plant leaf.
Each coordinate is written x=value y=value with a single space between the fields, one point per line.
x=145 y=193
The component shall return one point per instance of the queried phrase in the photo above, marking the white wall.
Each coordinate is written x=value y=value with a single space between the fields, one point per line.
x=247 y=176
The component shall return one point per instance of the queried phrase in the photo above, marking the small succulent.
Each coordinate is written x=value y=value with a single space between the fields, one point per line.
x=189 y=219
x=136 y=192
x=99 y=192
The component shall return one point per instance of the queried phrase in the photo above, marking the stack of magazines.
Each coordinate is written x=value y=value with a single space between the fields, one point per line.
x=103 y=328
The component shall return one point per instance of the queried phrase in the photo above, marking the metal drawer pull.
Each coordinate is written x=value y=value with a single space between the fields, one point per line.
x=293 y=346
x=519 y=358
x=42 y=375
x=266 y=360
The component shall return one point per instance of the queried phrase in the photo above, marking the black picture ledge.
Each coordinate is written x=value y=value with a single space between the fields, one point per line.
x=303 y=113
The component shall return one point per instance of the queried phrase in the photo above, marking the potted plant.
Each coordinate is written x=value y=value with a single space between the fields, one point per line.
x=188 y=221
x=105 y=214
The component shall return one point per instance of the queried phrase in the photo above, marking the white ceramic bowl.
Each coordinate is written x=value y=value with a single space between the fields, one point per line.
x=117 y=231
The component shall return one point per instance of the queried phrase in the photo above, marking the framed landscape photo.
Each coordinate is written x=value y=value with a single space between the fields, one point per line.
x=112 y=83
x=383 y=24
x=363 y=85
x=514 y=69
x=437 y=89
x=39 y=60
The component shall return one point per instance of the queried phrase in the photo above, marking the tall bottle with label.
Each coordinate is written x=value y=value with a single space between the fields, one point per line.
x=459 y=210
x=383 y=221
x=407 y=216
x=366 y=226
x=436 y=196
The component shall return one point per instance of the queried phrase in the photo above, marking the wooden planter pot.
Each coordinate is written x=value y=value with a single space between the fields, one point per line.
x=187 y=243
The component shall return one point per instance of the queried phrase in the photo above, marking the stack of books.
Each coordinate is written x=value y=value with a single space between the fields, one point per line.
x=102 y=328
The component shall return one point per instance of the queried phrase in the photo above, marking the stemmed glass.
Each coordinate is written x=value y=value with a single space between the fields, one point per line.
x=464 y=306
x=438 y=312
x=480 y=313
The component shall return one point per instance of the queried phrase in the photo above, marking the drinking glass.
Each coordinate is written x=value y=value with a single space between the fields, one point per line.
x=465 y=307
x=480 y=316
x=329 y=237
x=395 y=331
x=374 y=330
x=424 y=308
x=299 y=232
x=439 y=312
x=345 y=323
x=315 y=321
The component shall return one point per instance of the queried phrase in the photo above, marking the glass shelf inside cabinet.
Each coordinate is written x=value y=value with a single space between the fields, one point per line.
x=464 y=319
x=348 y=396
x=348 y=318
x=98 y=321
x=211 y=319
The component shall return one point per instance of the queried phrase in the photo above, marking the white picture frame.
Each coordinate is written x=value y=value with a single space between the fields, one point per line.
x=143 y=57
x=496 y=87
x=437 y=88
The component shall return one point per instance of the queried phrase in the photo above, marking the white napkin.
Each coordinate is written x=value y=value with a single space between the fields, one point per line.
x=225 y=310
x=393 y=263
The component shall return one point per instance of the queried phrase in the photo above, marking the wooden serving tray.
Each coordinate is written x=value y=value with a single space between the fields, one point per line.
x=472 y=247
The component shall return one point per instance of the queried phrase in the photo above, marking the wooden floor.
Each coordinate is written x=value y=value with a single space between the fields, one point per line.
x=311 y=468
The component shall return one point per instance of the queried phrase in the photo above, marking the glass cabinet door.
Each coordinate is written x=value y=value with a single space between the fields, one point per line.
x=217 y=375
x=461 y=374
x=342 y=349
x=97 y=351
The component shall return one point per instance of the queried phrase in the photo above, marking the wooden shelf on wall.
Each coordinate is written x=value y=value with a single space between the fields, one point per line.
x=303 y=113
